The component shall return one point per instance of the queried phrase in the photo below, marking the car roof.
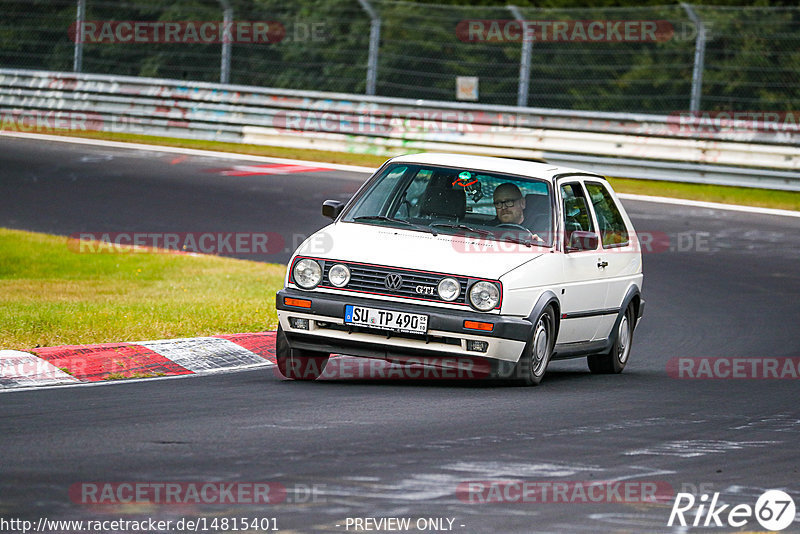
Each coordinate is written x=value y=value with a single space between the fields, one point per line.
x=534 y=169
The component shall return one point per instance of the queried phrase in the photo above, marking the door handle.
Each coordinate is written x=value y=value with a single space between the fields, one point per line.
x=601 y=264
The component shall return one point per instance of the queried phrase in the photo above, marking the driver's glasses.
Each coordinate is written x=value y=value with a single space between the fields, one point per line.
x=505 y=203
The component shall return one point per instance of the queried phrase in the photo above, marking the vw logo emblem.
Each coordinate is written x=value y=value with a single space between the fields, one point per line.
x=393 y=281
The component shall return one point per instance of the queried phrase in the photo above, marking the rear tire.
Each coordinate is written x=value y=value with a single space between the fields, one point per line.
x=536 y=356
x=614 y=360
x=298 y=364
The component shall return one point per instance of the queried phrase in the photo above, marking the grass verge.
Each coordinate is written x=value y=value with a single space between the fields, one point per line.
x=743 y=196
x=710 y=193
x=51 y=296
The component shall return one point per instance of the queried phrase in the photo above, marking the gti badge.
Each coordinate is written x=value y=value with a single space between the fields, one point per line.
x=425 y=290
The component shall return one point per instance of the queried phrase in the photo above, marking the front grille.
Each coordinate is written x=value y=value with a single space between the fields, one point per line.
x=371 y=279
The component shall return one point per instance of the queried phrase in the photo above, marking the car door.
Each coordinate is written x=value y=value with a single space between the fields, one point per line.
x=621 y=259
x=583 y=293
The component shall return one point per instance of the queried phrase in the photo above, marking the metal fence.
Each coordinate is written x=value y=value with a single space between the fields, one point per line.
x=677 y=57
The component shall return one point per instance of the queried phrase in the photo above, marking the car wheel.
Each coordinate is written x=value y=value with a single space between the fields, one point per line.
x=536 y=356
x=298 y=364
x=614 y=360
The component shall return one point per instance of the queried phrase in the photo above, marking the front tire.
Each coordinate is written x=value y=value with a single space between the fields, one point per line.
x=537 y=353
x=614 y=360
x=298 y=364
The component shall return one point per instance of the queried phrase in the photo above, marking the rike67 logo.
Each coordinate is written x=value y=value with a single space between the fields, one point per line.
x=774 y=510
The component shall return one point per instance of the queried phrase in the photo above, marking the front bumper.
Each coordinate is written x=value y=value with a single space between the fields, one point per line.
x=446 y=334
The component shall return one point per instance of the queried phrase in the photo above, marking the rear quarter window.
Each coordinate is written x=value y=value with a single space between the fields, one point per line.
x=611 y=226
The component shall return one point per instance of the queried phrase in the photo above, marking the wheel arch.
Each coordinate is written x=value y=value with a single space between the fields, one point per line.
x=548 y=298
x=633 y=296
x=637 y=302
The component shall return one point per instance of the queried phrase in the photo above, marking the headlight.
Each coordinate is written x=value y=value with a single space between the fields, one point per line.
x=339 y=275
x=448 y=289
x=484 y=295
x=307 y=273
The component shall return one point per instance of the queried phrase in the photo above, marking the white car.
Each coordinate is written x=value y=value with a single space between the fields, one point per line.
x=446 y=256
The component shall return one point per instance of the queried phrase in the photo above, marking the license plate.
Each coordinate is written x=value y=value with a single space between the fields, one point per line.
x=396 y=321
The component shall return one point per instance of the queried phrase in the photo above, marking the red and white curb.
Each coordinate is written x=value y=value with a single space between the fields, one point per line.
x=75 y=364
x=71 y=365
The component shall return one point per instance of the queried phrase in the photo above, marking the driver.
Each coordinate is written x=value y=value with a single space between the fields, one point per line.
x=509 y=204
x=510 y=207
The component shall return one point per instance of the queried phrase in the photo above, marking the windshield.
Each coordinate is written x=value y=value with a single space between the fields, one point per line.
x=450 y=200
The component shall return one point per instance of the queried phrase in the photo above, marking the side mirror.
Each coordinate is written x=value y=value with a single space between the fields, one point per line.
x=580 y=240
x=332 y=208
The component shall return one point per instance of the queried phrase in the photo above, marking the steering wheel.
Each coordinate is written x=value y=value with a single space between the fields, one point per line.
x=514 y=225
x=519 y=226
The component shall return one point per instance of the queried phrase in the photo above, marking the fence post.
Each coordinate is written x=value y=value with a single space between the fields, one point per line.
x=699 y=58
x=374 y=43
x=77 y=63
x=524 y=60
x=227 y=45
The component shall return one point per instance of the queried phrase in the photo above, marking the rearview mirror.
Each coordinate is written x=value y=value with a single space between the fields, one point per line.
x=332 y=208
x=580 y=240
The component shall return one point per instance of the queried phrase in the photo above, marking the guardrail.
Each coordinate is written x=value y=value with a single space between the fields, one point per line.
x=660 y=147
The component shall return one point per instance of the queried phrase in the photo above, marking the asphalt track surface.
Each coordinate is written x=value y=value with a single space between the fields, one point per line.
x=730 y=287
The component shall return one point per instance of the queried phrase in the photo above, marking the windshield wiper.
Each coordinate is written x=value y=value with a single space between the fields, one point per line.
x=401 y=221
x=518 y=240
x=463 y=227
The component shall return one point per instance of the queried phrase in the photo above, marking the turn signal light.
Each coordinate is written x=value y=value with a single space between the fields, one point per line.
x=477 y=325
x=299 y=303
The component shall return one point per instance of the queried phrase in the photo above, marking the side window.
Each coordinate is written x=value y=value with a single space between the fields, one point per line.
x=576 y=210
x=613 y=232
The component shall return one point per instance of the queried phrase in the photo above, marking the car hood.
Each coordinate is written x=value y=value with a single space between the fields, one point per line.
x=396 y=247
